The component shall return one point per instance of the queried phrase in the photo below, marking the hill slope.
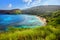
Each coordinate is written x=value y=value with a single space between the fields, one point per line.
x=42 y=9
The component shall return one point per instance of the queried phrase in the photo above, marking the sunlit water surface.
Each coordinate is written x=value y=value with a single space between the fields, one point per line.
x=22 y=21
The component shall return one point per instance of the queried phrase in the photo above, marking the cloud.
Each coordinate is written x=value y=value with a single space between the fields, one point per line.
x=27 y=1
x=31 y=3
x=36 y=2
x=9 y=5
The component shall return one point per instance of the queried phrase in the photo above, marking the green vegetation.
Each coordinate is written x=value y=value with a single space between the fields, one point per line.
x=17 y=11
x=49 y=32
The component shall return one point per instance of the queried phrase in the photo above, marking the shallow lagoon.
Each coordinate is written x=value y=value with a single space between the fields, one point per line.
x=22 y=21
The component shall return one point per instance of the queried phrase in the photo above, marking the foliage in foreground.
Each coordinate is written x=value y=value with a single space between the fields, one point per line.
x=43 y=33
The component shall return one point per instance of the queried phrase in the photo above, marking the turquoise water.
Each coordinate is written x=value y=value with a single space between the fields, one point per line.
x=22 y=21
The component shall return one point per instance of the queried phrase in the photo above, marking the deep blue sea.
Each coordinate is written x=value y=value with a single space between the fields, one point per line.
x=21 y=20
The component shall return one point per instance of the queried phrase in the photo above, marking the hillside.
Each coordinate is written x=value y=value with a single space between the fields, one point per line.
x=44 y=9
x=38 y=10
x=13 y=11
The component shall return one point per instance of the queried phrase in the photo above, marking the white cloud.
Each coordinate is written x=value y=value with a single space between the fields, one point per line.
x=9 y=5
x=27 y=1
x=36 y=2
x=31 y=3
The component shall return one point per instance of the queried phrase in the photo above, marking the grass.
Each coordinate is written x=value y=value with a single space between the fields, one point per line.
x=41 y=33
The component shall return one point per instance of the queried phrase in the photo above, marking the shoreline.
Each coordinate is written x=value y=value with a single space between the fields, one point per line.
x=43 y=20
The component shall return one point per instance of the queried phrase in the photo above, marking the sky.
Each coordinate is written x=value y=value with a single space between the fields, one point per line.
x=24 y=4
